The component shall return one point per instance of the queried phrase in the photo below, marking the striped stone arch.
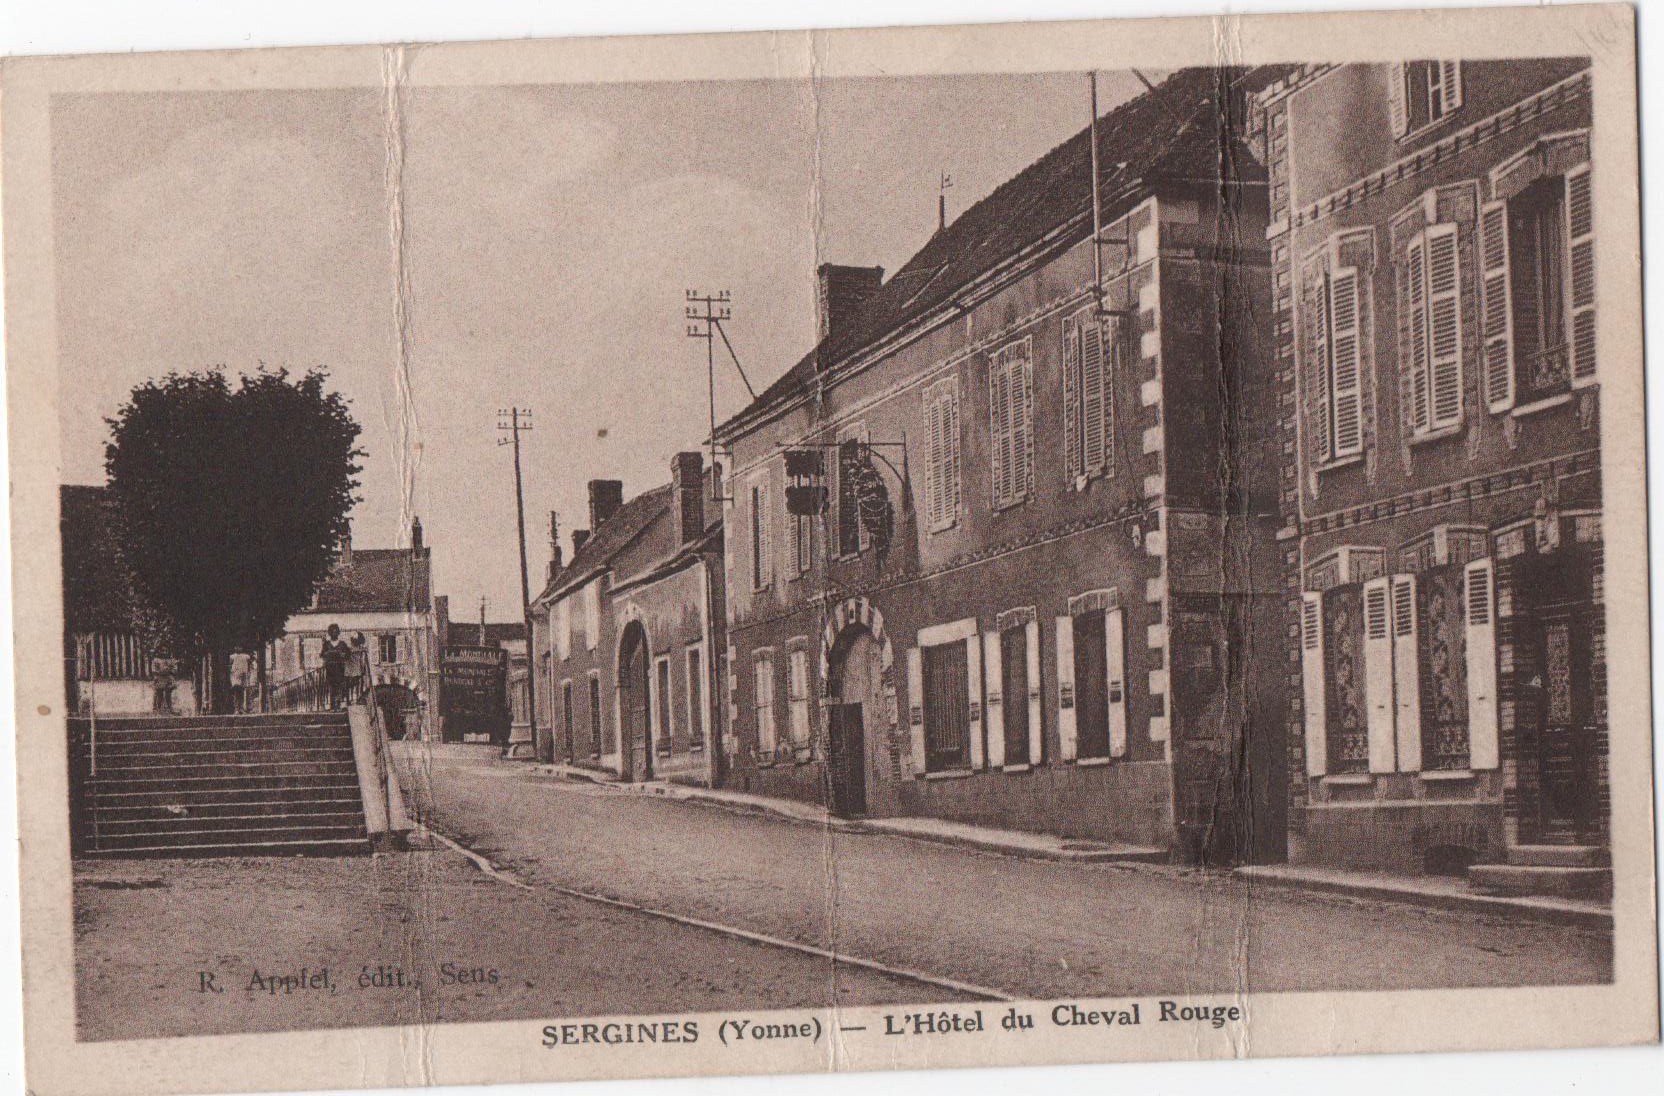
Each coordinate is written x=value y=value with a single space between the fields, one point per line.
x=850 y=613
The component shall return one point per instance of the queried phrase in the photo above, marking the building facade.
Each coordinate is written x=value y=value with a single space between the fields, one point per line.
x=383 y=595
x=1434 y=314
x=630 y=634
x=1045 y=560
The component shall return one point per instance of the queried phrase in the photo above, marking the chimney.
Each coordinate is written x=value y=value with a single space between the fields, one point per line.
x=345 y=558
x=605 y=497
x=442 y=617
x=554 y=546
x=579 y=536
x=687 y=475
x=842 y=292
x=416 y=545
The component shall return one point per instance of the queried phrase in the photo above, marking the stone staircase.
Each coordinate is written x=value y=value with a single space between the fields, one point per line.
x=254 y=785
x=1559 y=871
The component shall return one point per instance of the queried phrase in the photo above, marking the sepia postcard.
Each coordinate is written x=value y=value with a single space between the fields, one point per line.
x=839 y=550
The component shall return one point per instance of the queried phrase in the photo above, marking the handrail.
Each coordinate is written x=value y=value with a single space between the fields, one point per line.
x=312 y=691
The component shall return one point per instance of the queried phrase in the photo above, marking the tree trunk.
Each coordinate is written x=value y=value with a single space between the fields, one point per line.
x=219 y=681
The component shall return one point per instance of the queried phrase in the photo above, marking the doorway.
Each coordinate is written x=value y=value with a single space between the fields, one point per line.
x=857 y=696
x=635 y=739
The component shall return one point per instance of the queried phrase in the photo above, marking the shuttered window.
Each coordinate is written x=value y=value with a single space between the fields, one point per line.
x=1091 y=353
x=1431 y=296
x=1421 y=93
x=797 y=689
x=762 y=549
x=566 y=720
x=696 y=697
x=1010 y=414
x=594 y=716
x=1537 y=248
x=1580 y=227
x=947 y=699
x=942 y=454
x=763 y=702
x=1014 y=686
x=665 y=728
x=1335 y=341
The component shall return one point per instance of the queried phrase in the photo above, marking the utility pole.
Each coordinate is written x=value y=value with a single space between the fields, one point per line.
x=514 y=422
x=710 y=311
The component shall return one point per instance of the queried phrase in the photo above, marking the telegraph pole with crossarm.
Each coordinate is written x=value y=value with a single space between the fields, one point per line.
x=514 y=422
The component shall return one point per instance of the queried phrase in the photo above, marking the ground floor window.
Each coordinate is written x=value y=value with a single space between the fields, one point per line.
x=594 y=715
x=1014 y=686
x=947 y=698
x=696 y=697
x=661 y=706
x=797 y=688
x=566 y=723
x=763 y=702
x=1091 y=686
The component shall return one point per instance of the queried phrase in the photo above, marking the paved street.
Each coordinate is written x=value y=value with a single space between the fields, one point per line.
x=1018 y=927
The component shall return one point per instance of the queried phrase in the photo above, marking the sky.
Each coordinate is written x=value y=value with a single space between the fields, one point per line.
x=548 y=234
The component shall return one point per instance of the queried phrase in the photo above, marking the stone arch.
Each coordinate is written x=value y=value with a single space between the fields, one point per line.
x=850 y=614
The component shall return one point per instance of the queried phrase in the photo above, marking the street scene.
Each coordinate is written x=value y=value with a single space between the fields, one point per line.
x=1142 y=533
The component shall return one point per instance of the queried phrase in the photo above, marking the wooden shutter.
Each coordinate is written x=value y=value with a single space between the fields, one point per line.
x=1035 y=739
x=1397 y=107
x=1499 y=319
x=1450 y=85
x=1580 y=228
x=995 y=699
x=1066 y=699
x=1115 y=656
x=1314 y=700
x=1378 y=676
x=936 y=462
x=1025 y=421
x=1345 y=353
x=1114 y=368
x=974 y=698
x=1319 y=407
x=915 y=709
x=1093 y=394
x=1444 y=324
x=794 y=543
x=765 y=533
x=1415 y=300
x=1406 y=664
x=1480 y=602
x=1071 y=396
x=1001 y=463
x=951 y=477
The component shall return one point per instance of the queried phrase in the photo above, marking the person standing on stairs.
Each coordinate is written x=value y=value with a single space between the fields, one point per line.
x=336 y=654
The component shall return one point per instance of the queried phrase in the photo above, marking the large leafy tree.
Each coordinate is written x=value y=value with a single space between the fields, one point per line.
x=230 y=502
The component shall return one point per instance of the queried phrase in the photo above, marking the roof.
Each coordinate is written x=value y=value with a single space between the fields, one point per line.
x=646 y=518
x=461 y=633
x=97 y=594
x=1171 y=132
x=378 y=580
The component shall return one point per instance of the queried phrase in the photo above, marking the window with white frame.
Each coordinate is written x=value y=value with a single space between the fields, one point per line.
x=1538 y=258
x=696 y=697
x=762 y=698
x=762 y=550
x=942 y=465
x=1092 y=344
x=592 y=614
x=1430 y=305
x=387 y=648
x=663 y=724
x=797 y=693
x=1422 y=93
x=1011 y=422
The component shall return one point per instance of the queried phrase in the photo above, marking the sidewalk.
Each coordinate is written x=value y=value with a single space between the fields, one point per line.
x=1435 y=892
x=1438 y=892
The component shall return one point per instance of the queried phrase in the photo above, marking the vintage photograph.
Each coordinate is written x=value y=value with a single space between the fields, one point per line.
x=687 y=561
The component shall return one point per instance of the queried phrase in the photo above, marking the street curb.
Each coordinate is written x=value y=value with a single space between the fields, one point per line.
x=1544 y=911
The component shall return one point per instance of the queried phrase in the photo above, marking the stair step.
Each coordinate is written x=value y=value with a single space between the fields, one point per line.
x=133 y=747
x=1561 y=882
x=265 y=719
x=213 y=735
x=175 y=775
x=227 y=823
x=108 y=842
x=107 y=815
x=191 y=764
x=223 y=790
x=1559 y=856
x=331 y=847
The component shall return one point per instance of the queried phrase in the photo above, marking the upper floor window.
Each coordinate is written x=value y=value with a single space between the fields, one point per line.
x=592 y=614
x=762 y=552
x=1422 y=93
x=1537 y=250
x=1430 y=305
x=1336 y=306
x=1011 y=421
x=1091 y=345
x=387 y=648
x=941 y=415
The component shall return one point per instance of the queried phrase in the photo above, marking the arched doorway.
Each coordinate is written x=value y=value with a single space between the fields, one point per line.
x=400 y=709
x=635 y=736
x=856 y=666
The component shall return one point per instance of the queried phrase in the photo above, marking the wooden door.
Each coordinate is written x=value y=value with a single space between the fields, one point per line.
x=847 y=763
